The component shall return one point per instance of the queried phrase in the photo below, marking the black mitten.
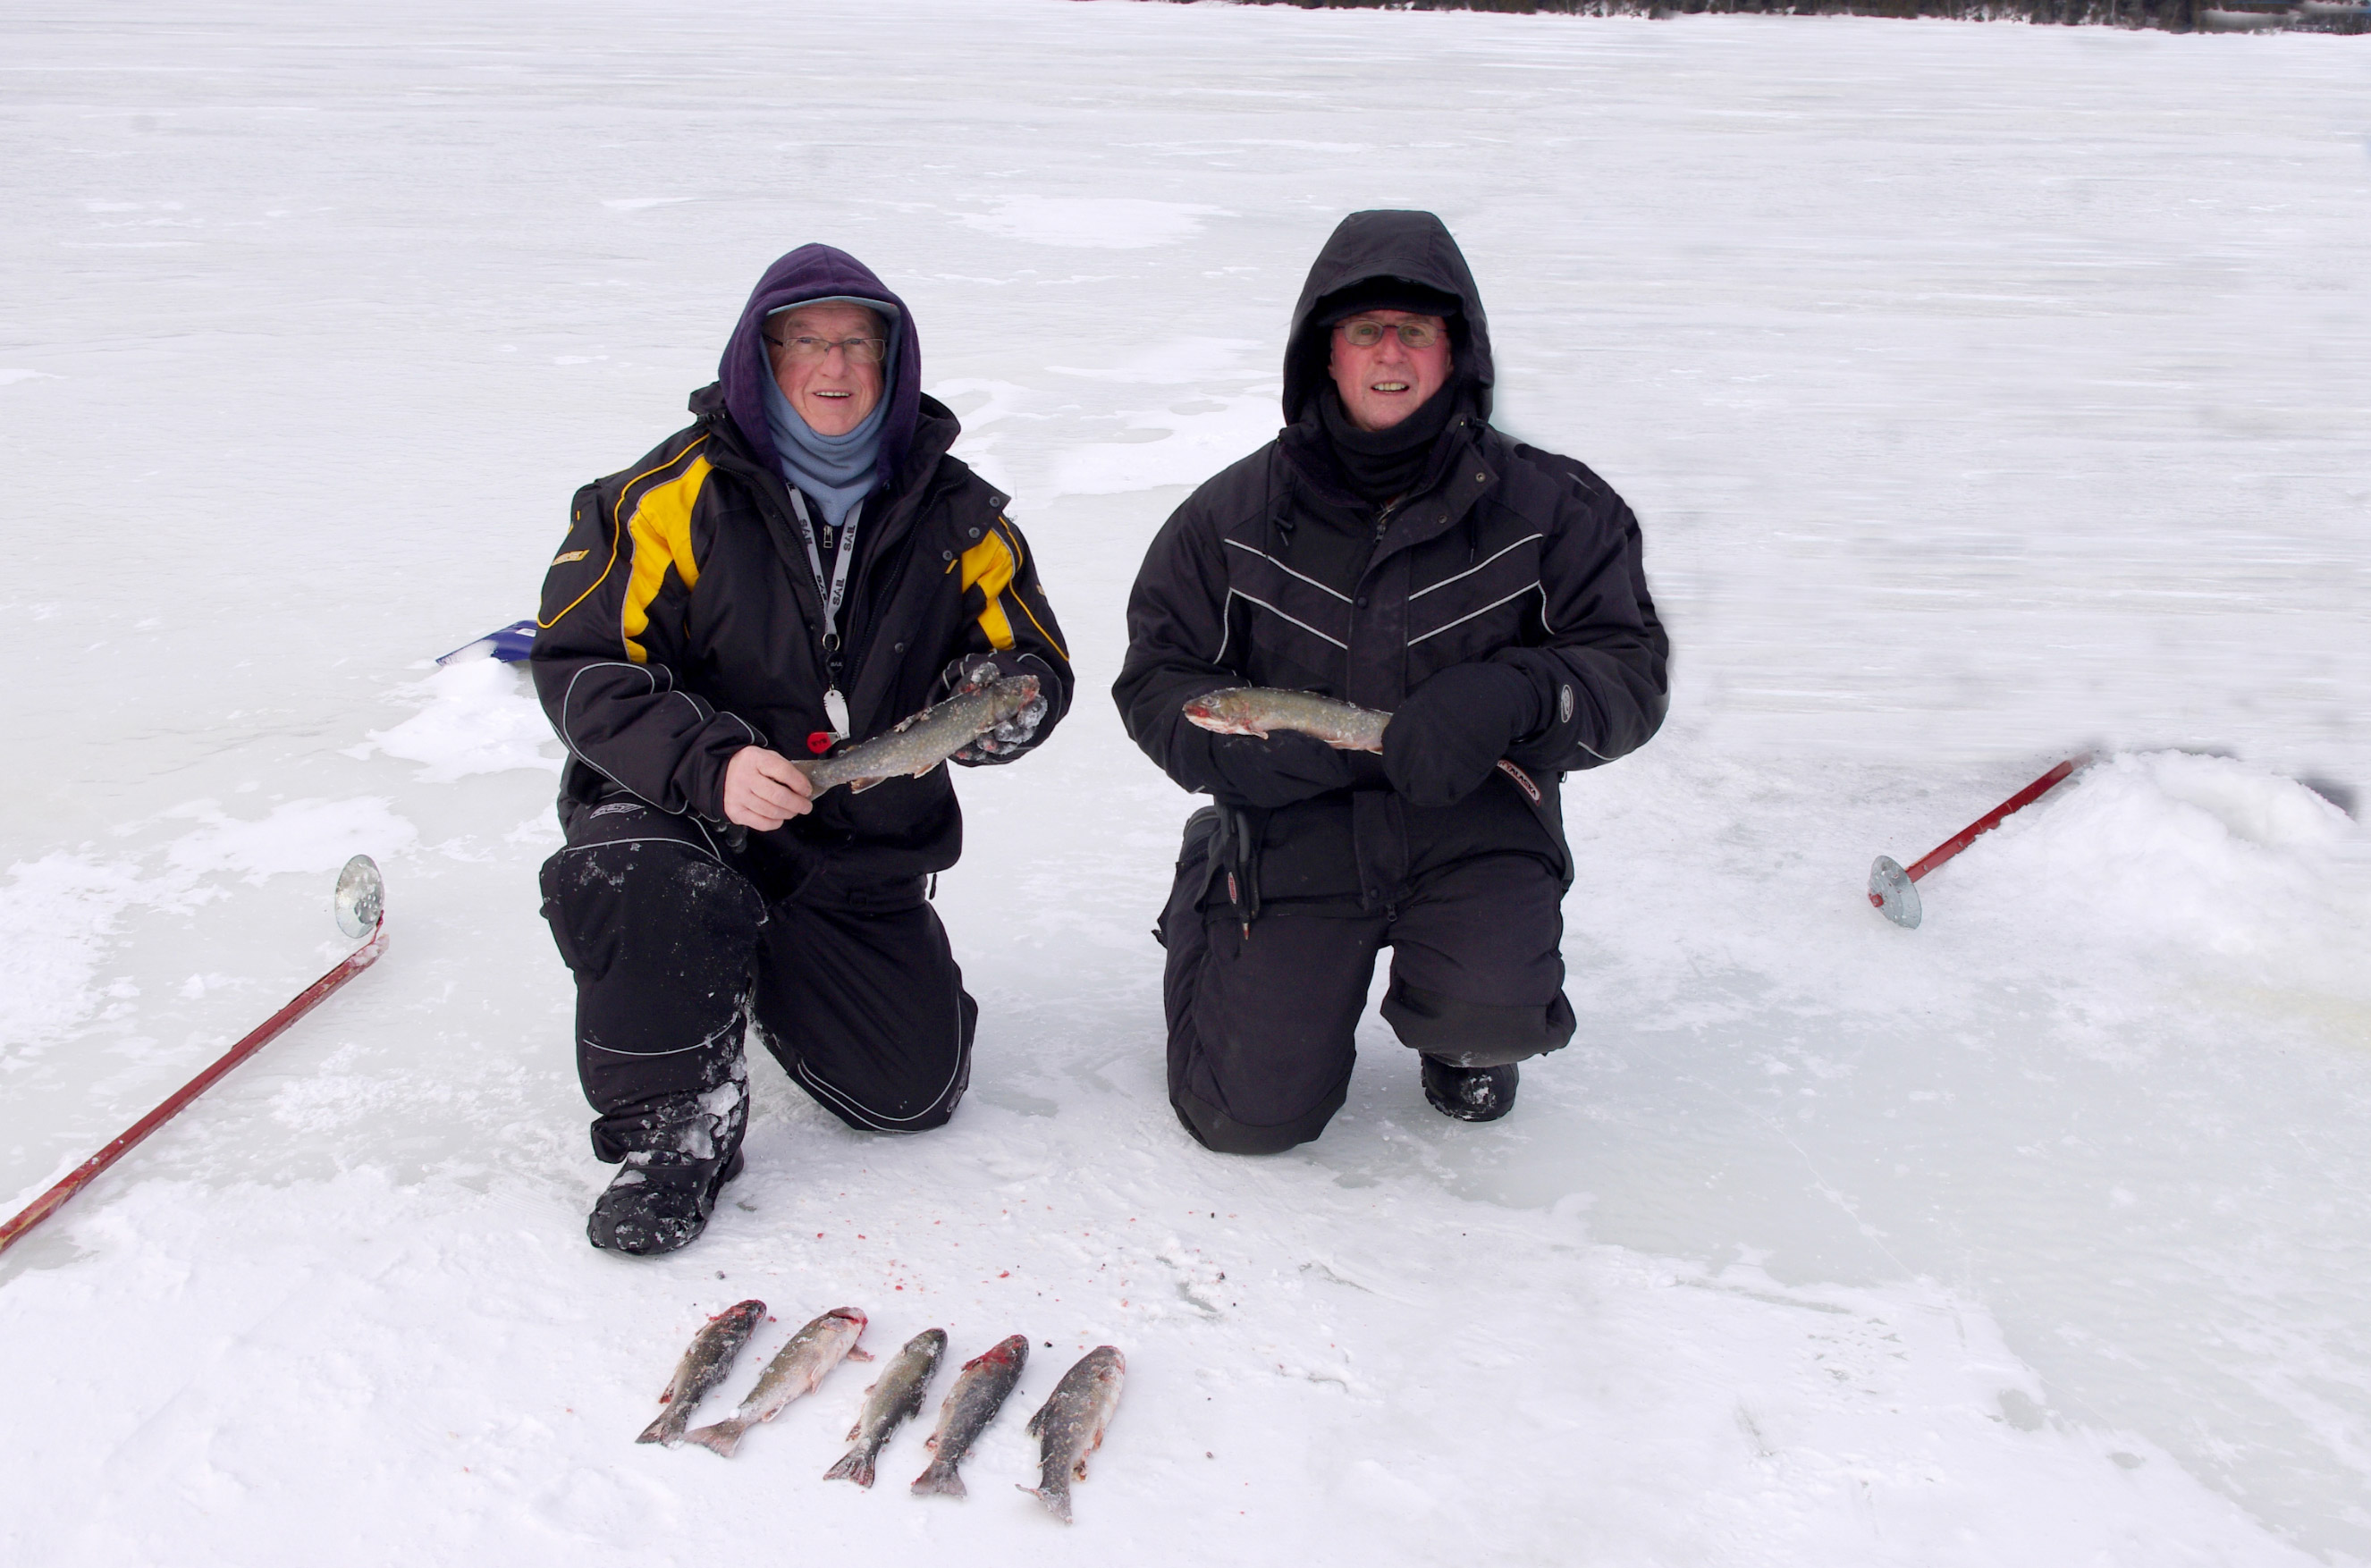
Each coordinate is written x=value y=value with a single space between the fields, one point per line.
x=1247 y=771
x=1453 y=730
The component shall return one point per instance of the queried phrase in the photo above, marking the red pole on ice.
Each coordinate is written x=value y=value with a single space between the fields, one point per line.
x=1892 y=890
x=271 y=1028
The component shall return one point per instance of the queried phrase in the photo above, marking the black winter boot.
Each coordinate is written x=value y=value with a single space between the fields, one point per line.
x=1470 y=1094
x=659 y=1201
x=679 y=1151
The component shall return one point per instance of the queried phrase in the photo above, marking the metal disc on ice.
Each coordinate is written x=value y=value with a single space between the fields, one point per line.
x=1895 y=895
x=359 y=892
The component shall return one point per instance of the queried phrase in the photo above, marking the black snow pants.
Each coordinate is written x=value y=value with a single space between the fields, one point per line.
x=854 y=990
x=1261 y=1025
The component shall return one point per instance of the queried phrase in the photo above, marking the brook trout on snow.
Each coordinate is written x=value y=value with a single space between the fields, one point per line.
x=981 y=1391
x=796 y=1371
x=705 y=1362
x=893 y=1398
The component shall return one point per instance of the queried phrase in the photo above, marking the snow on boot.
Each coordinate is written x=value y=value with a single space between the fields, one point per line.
x=1470 y=1094
x=659 y=1201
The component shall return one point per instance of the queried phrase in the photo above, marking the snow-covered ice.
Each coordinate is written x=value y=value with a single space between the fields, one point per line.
x=1988 y=393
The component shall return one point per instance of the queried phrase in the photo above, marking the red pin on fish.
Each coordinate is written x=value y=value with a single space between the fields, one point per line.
x=1894 y=891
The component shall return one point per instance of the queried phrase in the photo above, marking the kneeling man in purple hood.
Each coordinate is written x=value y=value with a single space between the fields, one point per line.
x=795 y=571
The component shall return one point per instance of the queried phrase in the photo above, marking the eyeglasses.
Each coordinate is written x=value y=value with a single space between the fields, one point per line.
x=860 y=351
x=1364 y=334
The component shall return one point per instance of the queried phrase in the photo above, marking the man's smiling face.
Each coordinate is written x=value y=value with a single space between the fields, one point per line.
x=1384 y=383
x=834 y=390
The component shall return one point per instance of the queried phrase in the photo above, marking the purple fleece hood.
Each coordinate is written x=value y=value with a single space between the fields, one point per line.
x=816 y=272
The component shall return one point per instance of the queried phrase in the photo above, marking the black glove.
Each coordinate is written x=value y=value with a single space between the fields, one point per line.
x=1014 y=734
x=1453 y=730
x=1245 y=771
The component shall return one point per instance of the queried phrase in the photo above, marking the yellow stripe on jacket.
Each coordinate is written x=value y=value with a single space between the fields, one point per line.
x=989 y=566
x=661 y=530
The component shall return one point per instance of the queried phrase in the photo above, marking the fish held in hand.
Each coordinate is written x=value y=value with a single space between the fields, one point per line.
x=1260 y=710
x=1070 y=1426
x=981 y=1391
x=927 y=739
x=892 y=1400
x=796 y=1371
x=705 y=1362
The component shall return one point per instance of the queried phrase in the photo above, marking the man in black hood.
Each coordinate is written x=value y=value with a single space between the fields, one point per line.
x=1390 y=548
x=798 y=570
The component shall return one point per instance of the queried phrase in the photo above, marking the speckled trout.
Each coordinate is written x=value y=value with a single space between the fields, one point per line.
x=796 y=1371
x=1070 y=1426
x=704 y=1365
x=981 y=1391
x=1256 y=711
x=892 y=1400
x=927 y=739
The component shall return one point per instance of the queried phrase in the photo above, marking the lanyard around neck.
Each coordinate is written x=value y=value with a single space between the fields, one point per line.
x=835 y=589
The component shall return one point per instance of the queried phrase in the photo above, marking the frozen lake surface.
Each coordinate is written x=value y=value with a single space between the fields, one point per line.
x=1987 y=393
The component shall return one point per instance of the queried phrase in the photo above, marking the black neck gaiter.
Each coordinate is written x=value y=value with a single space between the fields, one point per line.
x=1381 y=466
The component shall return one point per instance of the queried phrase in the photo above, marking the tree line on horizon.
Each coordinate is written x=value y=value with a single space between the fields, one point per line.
x=2168 y=15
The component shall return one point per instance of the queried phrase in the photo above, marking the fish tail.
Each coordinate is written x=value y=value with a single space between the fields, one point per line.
x=667 y=1428
x=939 y=1480
x=1056 y=1498
x=719 y=1439
x=855 y=1465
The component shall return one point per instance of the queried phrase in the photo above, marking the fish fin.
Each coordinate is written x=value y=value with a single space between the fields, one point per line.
x=1078 y=1467
x=1037 y=1422
x=855 y=1465
x=1057 y=1503
x=660 y=1431
x=855 y=1353
x=922 y=772
x=940 y=1480
x=858 y=786
x=858 y=1430
x=719 y=1439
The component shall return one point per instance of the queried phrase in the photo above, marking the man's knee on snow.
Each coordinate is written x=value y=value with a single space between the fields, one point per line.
x=639 y=901
x=1476 y=1034
x=1221 y=1133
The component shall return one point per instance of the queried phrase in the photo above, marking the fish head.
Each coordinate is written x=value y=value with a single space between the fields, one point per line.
x=853 y=1315
x=742 y=1314
x=1223 y=712
x=1007 y=1352
x=931 y=1340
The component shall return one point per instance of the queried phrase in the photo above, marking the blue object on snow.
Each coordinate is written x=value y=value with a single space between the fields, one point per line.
x=510 y=644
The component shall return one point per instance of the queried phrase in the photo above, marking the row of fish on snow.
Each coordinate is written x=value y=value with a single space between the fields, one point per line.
x=1068 y=1426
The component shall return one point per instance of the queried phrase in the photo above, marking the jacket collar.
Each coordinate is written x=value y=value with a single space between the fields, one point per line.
x=1464 y=469
x=889 y=513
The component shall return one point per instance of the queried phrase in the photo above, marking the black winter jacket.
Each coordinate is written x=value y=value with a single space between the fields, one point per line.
x=1273 y=573
x=680 y=622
